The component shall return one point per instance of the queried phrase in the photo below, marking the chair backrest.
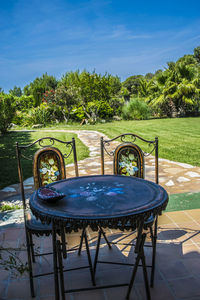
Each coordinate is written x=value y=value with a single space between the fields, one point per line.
x=48 y=162
x=129 y=160
x=48 y=166
x=128 y=157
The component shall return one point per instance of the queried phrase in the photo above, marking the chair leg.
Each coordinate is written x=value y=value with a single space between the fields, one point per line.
x=140 y=255
x=89 y=259
x=145 y=275
x=154 y=252
x=151 y=234
x=97 y=251
x=28 y=242
x=32 y=247
x=62 y=288
x=105 y=237
x=81 y=242
x=55 y=262
x=137 y=260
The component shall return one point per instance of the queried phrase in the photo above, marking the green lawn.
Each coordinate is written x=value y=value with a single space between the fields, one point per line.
x=8 y=162
x=179 y=139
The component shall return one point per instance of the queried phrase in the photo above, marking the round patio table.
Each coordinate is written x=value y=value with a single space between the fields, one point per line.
x=103 y=200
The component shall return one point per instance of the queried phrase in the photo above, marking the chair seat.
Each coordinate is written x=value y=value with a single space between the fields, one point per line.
x=149 y=222
x=35 y=225
x=127 y=226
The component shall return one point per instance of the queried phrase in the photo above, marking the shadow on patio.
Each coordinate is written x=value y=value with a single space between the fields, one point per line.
x=177 y=265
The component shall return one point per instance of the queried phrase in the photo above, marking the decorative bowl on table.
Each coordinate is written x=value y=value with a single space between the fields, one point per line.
x=49 y=194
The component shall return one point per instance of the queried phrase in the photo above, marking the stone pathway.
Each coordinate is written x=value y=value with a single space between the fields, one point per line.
x=175 y=177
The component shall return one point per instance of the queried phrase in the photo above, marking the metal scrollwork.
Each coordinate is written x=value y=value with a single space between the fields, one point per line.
x=124 y=140
x=151 y=151
x=51 y=142
x=69 y=148
x=27 y=157
x=107 y=144
x=129 y=138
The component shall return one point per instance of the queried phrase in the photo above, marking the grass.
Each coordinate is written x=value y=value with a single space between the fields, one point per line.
x=179 y=139
x=183 y=201
x=8 y=161
x=6 y=207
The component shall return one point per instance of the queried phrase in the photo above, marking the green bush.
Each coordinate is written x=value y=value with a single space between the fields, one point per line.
x=101 y=109
x=77 y=113
x=94 y=111
x=18 y=118
x=38 y=115
x=136 y=109
x=24 y=102
x=7 y=112
x=116 y=103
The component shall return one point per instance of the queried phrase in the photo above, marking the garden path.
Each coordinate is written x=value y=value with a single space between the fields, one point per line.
x=175 y=177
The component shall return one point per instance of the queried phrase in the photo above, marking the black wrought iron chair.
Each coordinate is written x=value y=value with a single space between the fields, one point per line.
x=48 y=166
x=129 y=160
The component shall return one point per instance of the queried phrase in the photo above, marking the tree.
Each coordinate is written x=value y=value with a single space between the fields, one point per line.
x=177 y=88
x=197 y=54
x=89 y=91
x=7 y=112
x=24 y=102
x=149 y=76
x=132 y=84
x=16 y=91
x=38 y=87
x=66 y=97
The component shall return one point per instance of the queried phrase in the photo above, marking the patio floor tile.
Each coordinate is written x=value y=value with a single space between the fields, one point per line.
x=161 y=291
x=19 y=289
x=185 y=287
x=177 y=275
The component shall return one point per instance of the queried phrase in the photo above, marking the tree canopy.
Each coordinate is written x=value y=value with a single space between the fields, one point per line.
x=89 y=96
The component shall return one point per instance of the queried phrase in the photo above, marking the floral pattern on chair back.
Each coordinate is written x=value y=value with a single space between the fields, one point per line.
x=129 y=160
x=48 y=166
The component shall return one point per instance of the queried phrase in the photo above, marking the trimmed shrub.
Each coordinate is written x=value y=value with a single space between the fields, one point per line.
x=136 y=109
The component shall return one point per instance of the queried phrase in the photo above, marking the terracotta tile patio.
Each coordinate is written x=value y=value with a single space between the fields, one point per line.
x=177 y=269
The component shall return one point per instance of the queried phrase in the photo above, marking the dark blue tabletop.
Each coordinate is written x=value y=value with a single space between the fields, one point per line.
x=101 y=197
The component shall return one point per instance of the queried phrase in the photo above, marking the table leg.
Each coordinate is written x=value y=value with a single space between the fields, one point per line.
x=154 y=251
x=145 y=269
x=55 y=261
x=62 y=288
x=89 y=259
x=81 y=241
x=97 y=251
x=139 y=250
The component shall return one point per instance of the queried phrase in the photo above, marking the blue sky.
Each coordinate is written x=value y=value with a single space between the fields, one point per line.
x=122 y=38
